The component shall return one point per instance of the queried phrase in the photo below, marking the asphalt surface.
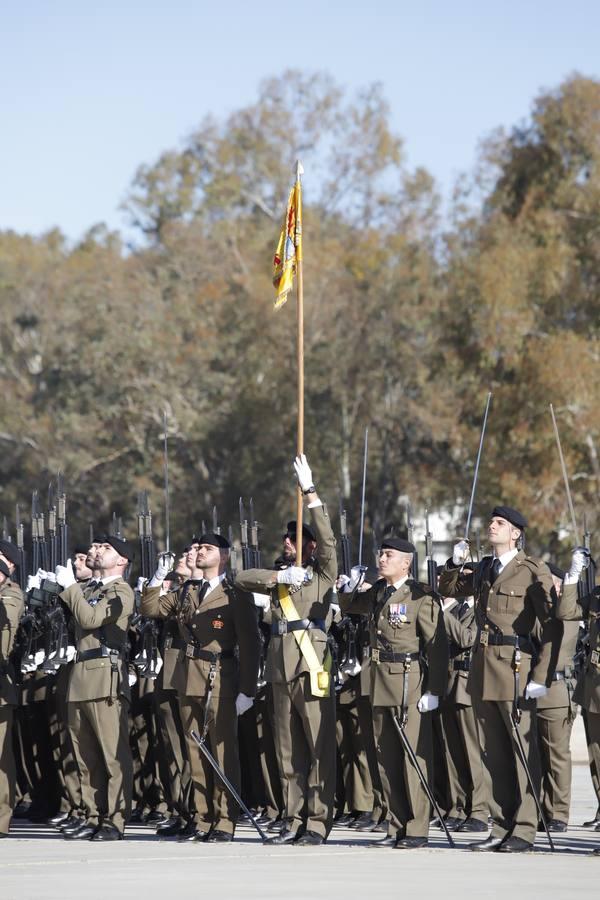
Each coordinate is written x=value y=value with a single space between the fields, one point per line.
x=36 y=862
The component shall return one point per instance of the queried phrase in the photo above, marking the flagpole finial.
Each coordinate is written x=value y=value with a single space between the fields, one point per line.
x=299 y=170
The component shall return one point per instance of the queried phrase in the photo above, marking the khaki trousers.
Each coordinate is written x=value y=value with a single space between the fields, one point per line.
x=467 y=782
x=554 y=736
x=8 y=773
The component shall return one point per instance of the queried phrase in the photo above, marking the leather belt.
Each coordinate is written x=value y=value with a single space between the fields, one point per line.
x=99 y=653
x=209 y=655
x=510 y=640
x=172 y=643
x=378 y=656
x=461 y=665
x=282 y=626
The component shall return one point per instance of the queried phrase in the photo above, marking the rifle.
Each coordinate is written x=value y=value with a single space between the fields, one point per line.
x=232 y=554
x=362 y=499
x=431 y=564
x=256 y=554
x=167 y=498
x=61 y=519
x=414 y=567
x=20 y=538
x=345 y=544
x=246 y=552
x=215 y=521
x=147 y=657
x=51 y=528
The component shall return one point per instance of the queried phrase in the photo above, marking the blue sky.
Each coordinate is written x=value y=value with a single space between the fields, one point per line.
x=89 y=92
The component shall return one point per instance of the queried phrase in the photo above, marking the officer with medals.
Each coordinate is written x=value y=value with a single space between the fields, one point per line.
x=409 y=668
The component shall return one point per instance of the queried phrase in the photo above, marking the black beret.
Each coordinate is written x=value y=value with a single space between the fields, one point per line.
x=511 y=515
x=123 y=547
x=10 y=551
x=394 y=543
x=4 y=568
x=215 y=540
x=80 y=548
x=307 y=531
x=558 y=573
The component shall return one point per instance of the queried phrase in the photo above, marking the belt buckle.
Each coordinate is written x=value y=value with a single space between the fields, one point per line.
x=189 y=651
x=375 y=655
x=168 y=643
x=281 y=627
x=484 y=638
x=595 y=658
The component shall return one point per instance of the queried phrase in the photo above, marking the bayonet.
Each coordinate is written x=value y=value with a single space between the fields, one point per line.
x=362 y=500
x=167 y=499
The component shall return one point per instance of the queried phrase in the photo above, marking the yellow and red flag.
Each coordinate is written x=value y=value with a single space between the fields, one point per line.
x=289 y=247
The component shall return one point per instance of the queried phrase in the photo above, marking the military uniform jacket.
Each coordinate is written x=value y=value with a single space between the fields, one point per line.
x=521 y=595
x=570 y=609
x=461 y=629
x=225 y=621
x=171 y=607
x=423 y=632
x=97 y=624
x=285 y=661
x=11 y=610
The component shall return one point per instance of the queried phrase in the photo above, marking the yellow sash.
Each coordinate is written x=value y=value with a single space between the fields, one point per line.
x=320 y=679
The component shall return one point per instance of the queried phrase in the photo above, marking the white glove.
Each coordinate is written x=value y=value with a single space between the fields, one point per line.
x=131 y=678
x=141 y=582
x=71 y=651
x=535 y=690
x=65 y=575
x=579 y=561
x=158 y=664
x=460 y=552
x=428 y=703
x=33 y=581
x=243 y=703
x=39 y=658
x=263 y=601
x=335 y=608
x=293 y=575
x=303 y=473
x=50 y=576
x=165 y=564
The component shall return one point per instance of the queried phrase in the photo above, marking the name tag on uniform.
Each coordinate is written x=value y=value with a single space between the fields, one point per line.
x=397 y=614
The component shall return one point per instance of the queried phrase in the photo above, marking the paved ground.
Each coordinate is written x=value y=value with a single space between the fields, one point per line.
x=35 y=862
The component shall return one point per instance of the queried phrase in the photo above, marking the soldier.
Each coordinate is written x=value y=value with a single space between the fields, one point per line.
x=406 y=626
x=468 y=791
x=98 y=693
x=556 y=713
x=303 y=696
x=570 y=608
x=216 y=619
x=512 y=593
x=11 y=609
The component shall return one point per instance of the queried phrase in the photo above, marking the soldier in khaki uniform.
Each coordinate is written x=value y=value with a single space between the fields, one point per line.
x=215 y=687
x=304 y=721
x=571 y=608
x=98 y=693
x=406 y=626
x=467 y=783
x=556 y=713
x=513 y=592
x=11 y=609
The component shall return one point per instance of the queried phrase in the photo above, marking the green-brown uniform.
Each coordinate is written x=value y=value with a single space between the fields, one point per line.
x=507 y=610
x=219 y=625
x=467 y=781
x=304 y=724
x=98 y=699
x=409 y=657
x=570 y=609
x=11 y=609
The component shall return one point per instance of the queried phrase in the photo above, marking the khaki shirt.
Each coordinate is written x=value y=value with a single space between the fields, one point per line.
x=569 y=609
x=423 y=632
x=285 y=661
x=104 y=623
x=521 y=596
x=11 y=609
x=461 y=629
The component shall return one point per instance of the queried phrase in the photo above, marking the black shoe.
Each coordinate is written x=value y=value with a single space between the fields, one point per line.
x=84 y=833
x=21 y=810
x=285 y=836
x=58 y=819
x=595 y=852
x=309 y=839
x=452 y=823
x=388 y=841
x=369 y=825
x=155 y=817
x=108 y=833
x=218 y=837
x=555 y=825
x=515 y=845
x=190 y=834
x=410 y=843
x=491 y=843
x=591 y=824
x=344 y=820
x=70 y=824
x=170 y=828
x=137 y=817
x=473 y=825
x=363 y=819
x=597 y=828
x=263 y=819
x=3 y=834
x=276 y=825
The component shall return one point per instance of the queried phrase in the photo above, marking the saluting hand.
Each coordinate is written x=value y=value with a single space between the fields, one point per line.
x=303 y=473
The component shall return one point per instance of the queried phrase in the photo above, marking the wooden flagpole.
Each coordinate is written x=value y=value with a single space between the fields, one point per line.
x=300 y=353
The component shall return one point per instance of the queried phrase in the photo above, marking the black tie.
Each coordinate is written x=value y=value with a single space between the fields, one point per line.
x=495 y=570
x=390 y=589
x=202 y=592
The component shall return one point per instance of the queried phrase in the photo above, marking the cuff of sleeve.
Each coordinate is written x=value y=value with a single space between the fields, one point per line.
x=314 y=504
x=571 y=579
